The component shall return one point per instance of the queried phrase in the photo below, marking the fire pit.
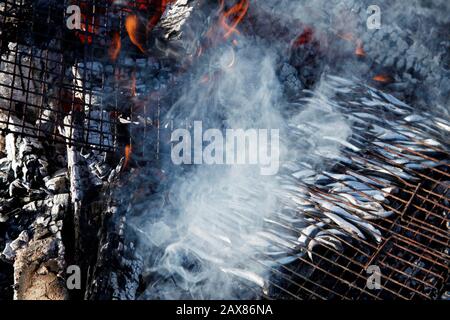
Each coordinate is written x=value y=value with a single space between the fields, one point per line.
x=97 y=98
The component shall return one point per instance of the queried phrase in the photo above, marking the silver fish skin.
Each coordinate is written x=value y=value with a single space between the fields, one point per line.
x=378 y=182
x=367 y=211
x=249 y=276
x=367 y=116
x=290 y=258
x=371 y=230
x=414 y=118
x=326 y=240
x=308 y=233
x=345 y=225
x=338 y=234
x=375 y=233
x=442 y=124
x=391 y=99
x=288 y=244
x=342 y=142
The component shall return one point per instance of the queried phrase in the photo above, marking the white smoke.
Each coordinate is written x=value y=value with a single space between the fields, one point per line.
x=220 y=209
x=210 y=236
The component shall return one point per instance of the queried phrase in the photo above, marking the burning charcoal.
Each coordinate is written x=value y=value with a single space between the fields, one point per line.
x=103 y=170
x=57 y=184
x=98 y=168
x=5 y=172
x=26 y=65
x=5 y=164
x=46 y=121
x=116 y=171
x=18 y=188
x=7 y=208
x=18 y=90
x=23 y=154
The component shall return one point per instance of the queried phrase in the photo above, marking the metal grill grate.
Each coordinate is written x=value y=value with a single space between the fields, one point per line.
x=64 y=85
x=413 y=255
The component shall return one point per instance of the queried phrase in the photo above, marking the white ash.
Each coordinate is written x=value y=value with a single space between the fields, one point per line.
x=175 y=17
x=21 y=64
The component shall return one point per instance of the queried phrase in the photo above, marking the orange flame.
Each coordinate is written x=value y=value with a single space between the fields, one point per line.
x=87 y=30
x=133 y=84
x=231 y=18
x=360 y=49
x=382 y=78
x=159 y=11
x=137 y=31
x=115 y=47
x=87 y=27
x=303 y=38
x=128 y=152
x=132 y=26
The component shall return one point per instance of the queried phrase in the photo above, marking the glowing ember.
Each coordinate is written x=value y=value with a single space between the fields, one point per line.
x=231 y=18
x=382 y=78
x=87 y=30
x=115 y=47
x=133 y=26
x=159 y=11
x=141 y=4
x=70 y=103
x=360 y=49
x=128 y=152
x=87 y=23
x=304 y=38
x=133 y=84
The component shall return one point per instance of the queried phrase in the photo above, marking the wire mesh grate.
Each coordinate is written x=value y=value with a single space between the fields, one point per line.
x=412 y=257
x=65 y=85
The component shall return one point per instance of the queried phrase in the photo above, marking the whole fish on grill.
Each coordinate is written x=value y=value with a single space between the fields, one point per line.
x=382 y=153
x=332 y=197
